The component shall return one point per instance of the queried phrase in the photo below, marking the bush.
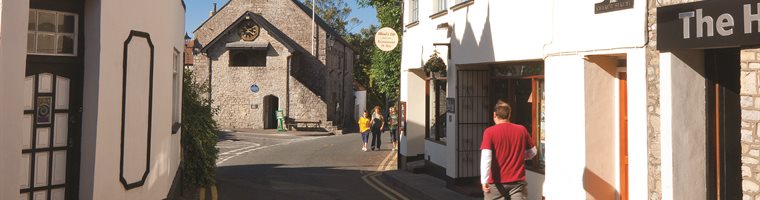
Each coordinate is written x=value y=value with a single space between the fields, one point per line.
x=199 y=137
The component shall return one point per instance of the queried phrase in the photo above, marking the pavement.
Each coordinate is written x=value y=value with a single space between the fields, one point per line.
x=422 y=186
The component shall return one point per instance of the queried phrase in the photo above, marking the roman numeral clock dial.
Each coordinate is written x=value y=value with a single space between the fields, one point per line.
x=249 y=31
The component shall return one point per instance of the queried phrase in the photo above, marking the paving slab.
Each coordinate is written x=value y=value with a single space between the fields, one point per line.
x=421 y=186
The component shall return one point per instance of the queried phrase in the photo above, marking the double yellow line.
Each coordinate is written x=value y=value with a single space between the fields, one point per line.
x=372 y=179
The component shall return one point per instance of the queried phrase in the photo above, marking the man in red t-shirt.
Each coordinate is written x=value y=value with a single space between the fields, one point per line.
x=504 y=150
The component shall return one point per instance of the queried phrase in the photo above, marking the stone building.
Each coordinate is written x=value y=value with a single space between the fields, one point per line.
x=259 y=56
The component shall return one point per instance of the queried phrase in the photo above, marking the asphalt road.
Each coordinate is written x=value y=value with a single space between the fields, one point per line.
x=287 y=166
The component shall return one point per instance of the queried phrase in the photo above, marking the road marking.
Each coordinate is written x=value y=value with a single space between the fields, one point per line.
x=249 y=149
x=372 y=179
x=382 y=164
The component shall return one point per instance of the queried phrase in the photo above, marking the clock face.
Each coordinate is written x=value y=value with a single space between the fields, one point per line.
x=249 y=31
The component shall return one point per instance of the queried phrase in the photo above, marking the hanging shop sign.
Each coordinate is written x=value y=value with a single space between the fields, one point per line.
x=386 y=39
x=708 y=24
x=612 y=5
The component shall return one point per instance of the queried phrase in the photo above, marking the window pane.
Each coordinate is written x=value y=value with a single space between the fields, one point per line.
x=46 y=22
x=32 y=20
x=66 y=23
x=65 y=44
x=45 y=43
x=31 y=43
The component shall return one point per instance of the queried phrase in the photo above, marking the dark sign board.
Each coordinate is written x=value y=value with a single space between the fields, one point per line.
x=708 y=24
x=612 y=5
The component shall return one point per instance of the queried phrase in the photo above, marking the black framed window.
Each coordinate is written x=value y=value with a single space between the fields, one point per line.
x=436 y=110
x=248 y=58
x=52 y=33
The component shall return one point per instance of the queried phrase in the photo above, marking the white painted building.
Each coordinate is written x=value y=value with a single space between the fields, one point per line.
x=90 y=98
x=559 y=64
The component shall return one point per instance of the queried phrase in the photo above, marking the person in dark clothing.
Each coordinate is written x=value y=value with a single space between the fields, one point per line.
x=378 y=124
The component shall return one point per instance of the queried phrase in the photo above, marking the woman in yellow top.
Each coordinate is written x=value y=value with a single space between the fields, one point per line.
x=364 y=125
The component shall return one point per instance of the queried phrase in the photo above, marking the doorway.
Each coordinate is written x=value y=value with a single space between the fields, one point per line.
x=723 y=108
x=53 y=100
x=271 y=105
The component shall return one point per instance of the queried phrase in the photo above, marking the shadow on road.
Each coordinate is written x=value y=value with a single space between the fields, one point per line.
x=275 y=181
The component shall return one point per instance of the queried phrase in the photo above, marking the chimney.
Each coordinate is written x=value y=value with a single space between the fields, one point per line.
x=213 y=12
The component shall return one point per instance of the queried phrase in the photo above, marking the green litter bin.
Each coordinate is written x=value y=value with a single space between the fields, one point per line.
x=281 y=121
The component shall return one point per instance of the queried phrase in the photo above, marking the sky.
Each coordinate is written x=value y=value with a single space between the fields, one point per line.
x=198 y=11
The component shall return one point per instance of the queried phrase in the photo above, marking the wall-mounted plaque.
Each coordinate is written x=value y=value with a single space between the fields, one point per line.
x=450 y=105
x=612 y=5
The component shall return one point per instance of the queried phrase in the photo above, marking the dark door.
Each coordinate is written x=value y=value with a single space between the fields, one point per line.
x=723 y=124
x=271 y=104
x=53 y=100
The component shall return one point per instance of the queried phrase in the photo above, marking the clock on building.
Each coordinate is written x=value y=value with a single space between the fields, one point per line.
x=249 y=30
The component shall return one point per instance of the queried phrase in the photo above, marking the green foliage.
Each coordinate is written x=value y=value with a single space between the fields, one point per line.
x=435 y=64
x=363 y=44
x=336 y=13
x=385 y=73
x=198 y=134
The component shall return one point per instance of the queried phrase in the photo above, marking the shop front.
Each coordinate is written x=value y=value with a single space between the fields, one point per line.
x=708 y=89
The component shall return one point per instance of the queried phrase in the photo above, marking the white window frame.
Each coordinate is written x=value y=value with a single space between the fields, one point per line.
x=56 y=34
x=176 y=87
x=414 y=11
x=440 y=6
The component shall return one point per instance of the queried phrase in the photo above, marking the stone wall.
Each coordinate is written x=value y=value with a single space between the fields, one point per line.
x=653 y=104
x=238 y=106
x=750 y=134
x=653 y=97
x=315 y=81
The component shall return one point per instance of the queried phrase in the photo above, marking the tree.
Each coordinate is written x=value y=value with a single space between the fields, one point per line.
x=199 y=151
x=363 y=44
x=336 y=14
x=385 y=73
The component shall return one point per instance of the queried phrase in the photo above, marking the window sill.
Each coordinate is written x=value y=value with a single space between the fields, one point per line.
x=462 y=5
x=436 y=141
x=415 y=23
x=439 y=14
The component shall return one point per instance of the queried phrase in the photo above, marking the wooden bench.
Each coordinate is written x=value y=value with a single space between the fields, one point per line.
x=304 y=125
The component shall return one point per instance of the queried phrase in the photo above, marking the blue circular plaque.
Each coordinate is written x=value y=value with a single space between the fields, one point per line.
x=254 y=88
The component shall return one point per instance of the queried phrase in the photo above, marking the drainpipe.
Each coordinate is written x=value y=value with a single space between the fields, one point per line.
x=287 y=87
x=210 y=73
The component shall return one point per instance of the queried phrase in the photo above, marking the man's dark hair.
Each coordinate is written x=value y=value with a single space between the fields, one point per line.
x=502 y=110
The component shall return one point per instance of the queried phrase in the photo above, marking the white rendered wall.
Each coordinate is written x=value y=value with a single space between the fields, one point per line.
x=682 y=107
x=435 y=152
x=575 y=27
x=413 y=141
x=565 y=147
x=106 y=29
x=13 y=26
x=637 y=125
x=361 y=100
x=601 y=113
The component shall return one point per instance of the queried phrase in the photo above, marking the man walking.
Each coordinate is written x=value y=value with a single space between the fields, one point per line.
x=504 y=150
